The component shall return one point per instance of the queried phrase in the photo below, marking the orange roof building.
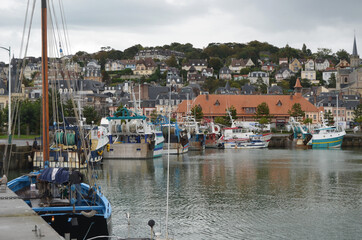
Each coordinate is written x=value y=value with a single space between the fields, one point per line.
x=246 y=105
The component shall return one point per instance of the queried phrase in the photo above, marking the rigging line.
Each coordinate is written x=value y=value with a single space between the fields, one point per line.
x=65 y=28
x=24 y=27
x=56 y=23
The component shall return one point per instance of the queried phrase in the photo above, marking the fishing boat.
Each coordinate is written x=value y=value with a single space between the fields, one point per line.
x=65 y=149
x=98 y=140
x=197 y=137
x=301 y=134
x=74 y=209
x=212 y=133
x=239 y=137
x=131 y=136
x=326 y=136
x=176 y=137
x=236 y=137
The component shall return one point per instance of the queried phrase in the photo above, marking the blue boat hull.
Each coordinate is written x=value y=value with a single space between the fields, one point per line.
x=327 y=143
x=77 y=221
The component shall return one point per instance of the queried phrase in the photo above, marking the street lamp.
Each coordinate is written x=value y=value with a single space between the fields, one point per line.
x=9 y=105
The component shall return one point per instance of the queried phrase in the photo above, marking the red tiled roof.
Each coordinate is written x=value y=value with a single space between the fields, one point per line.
x=215 y=105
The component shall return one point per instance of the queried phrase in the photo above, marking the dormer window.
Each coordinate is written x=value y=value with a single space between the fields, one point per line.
x=279 y=103
x=217 y=103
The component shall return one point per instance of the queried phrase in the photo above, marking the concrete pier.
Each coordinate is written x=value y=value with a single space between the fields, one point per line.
x=19 y=221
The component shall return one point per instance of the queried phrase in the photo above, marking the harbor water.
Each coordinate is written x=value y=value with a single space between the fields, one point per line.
x=239 y=194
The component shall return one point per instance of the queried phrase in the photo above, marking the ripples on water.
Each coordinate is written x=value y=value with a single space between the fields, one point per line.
x=240 y=194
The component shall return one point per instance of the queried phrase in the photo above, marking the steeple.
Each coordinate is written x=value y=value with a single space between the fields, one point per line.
x=298 y=88
x=354 y=57
x=354 y=53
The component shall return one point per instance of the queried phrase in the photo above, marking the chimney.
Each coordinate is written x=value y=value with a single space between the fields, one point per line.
x=207 y=97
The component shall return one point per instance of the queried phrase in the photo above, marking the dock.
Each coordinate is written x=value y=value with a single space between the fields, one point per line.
x=19 y=221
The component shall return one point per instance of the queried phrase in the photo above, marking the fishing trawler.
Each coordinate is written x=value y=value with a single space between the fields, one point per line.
x=74 y=209
x=197 y=137
x=131 y=136
x=177 y=142
x=326 y=136
x=212 y=132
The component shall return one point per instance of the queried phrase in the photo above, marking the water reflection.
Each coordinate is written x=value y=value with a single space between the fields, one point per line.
x=233 y=194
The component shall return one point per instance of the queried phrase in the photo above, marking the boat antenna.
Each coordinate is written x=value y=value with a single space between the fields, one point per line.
x=168 y=162
x=44 y=67
x=337 y=113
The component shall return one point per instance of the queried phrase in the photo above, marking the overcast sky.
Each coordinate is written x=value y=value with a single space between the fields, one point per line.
x=120 y=24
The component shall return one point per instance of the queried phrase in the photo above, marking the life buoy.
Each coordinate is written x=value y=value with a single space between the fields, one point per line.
x=99 y=134
x=216 y=129
x=100 y=153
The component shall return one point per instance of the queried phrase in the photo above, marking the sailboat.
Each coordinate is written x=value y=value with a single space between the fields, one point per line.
x=60 y=196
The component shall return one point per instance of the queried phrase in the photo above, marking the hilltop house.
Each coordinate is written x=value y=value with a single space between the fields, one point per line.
x=254 y=76
x=145 y=67
x=295 y=65
x=225 y=73
x=321 y=64
x=198 y=64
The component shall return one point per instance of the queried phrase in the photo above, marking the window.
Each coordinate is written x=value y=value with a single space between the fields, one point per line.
x=217 y=103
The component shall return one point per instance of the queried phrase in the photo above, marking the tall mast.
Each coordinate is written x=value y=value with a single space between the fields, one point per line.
x=44 y=67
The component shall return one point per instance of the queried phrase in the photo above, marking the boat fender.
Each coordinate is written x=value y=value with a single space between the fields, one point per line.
x=89 y=214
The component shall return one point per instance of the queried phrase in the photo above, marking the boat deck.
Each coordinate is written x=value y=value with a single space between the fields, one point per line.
x=19 y=221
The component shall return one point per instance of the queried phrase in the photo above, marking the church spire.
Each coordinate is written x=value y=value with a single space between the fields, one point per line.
x=354 y=57
x=354 y=52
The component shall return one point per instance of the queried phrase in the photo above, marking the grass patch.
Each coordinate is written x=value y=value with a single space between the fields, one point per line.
x=21 y=136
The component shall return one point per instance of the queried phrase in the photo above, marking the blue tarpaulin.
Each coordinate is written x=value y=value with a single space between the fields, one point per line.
x=55 y=175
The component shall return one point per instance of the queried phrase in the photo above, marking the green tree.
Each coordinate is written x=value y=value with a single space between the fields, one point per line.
x=307 y=121
x=332 y=81
x=30 y=116
x=154 y=115
x=196 y=111
x=284 y=84
x=91 y=115
x=215 y=63
x=261 y=86
x=262 y=114
x=296 y=111
x=68 y=108
x=220 y=120
x=329 y=117
x=172 y=61
x=342 y=54
x=305 y=83
x=105 y=77
x=231 y=111
x=357 y=116
x=324 y=53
